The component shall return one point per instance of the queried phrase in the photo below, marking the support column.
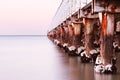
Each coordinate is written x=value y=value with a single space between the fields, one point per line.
x=105 y=63
x=77 y=34
x=66 y=34
x=66 y=39
x=62 y=34
x=88 y=31
x=58 y=33
x=71 y=48
x=117 y=36
x=89 y=39
x=107 y=37
x=70 y=34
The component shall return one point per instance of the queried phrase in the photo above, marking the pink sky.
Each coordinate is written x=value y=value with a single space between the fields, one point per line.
x=26 y=17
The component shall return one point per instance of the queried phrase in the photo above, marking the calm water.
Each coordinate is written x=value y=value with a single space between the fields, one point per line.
x=37 y=58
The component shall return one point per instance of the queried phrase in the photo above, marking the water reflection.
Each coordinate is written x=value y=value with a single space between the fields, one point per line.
x=37 y=58
x=102 y=76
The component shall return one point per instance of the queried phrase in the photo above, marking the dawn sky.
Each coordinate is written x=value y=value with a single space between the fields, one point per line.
x=26 y=17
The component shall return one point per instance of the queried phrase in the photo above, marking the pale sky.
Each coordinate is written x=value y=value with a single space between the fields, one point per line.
x=26 y=17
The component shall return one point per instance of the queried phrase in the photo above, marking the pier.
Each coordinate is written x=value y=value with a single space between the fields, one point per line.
x=89 y=29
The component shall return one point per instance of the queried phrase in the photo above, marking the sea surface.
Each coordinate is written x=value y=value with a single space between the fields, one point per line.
x=37 y=58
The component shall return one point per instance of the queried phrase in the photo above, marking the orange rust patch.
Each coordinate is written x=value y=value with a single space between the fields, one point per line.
x=62 y=31
x=104 y=23
x=76 y=29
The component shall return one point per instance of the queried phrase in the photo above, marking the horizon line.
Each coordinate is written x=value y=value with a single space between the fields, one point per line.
x=23 y=35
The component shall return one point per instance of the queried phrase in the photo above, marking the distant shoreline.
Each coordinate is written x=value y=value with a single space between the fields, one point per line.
x=20 y=35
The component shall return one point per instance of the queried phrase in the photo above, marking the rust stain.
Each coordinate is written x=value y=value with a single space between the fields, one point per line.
x=113 y=8
x=62 y=31
x=88 y=26
x=104 y=23
x=76 y=29
x=70 y=30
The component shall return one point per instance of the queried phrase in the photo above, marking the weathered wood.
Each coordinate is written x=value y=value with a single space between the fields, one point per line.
x=107 y=22
x=117 y=28
x=86 y=12
x=111 y=6
x=66 y=34
x=58 y=33
x=77 y=33
x=62 y=33
x=88 y=26
x=71 y=34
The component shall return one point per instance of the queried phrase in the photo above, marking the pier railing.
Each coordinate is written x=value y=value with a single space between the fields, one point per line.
x=66 y=9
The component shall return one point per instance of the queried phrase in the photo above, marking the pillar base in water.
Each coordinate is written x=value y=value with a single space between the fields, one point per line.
x=91 y=58
x=59 y=45
x=105 y=69
x=85 y=58
x=72 y=51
